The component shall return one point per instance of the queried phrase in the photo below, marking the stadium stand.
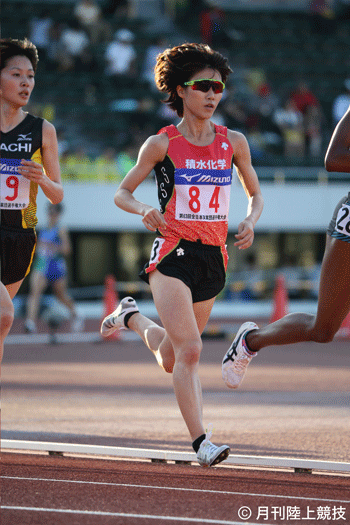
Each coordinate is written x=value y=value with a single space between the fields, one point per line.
x=285 y=46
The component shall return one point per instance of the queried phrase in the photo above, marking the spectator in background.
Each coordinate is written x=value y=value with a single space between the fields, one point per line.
x=118 y=9
x=120 y=56
x=313 y=130
x=157 y=46
x=77 y=165
x=106 y=167
x=40 y=32
x=213 y=28
x=290 y=121
x=323 y=15
x=74 y=44
x=50 y=268
x=341 y=103
x=303 y=97
x=55 y=47
x=126 y=159
x=90 y=17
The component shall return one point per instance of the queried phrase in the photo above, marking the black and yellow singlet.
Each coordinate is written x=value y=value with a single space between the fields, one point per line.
x=18 y=194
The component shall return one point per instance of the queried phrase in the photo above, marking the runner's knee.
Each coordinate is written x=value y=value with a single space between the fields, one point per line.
x=190 y=352
x=6 y=319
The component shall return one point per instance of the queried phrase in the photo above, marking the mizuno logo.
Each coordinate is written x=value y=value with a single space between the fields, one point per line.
x=214 y=180
x=5 y=168
x=22 y=136
x=190 y=177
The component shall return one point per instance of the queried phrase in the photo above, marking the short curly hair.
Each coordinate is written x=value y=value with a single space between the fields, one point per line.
x=10 y=47
x=177 y=65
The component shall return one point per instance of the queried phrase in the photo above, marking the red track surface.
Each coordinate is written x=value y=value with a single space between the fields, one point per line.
x=91 y=492
x=294 y=402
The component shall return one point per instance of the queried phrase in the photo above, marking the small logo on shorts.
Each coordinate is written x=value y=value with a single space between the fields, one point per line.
x=180 y=251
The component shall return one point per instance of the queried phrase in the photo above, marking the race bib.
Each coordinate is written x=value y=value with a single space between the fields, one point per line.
x=202 y=196
x=14 y=188
x=342 y=224
x=155 y=252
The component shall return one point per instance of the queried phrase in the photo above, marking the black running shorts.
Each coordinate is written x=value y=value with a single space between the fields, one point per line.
x=17 y=252
x=201 y=267
x=339 y=227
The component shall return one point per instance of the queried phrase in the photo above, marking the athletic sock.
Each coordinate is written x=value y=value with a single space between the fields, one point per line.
x=197 y=443
x=127 y=317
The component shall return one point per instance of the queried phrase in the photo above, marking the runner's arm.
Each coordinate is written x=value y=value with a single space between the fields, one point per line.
x=338 y=155
x=151 y=153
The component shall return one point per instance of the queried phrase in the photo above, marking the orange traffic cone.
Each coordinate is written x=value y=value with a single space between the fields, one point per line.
x=280 y=298
x=110 y=301
x=344 y=330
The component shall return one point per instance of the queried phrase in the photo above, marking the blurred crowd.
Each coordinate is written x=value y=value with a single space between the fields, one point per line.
x=98 y=37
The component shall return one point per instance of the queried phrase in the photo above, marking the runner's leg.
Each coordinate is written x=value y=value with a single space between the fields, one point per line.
x=333 y=305
x=179 y=318
x=6 y=316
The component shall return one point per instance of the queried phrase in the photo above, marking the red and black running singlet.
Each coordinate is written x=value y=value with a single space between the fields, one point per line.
x=18 y=194
x=194 y=184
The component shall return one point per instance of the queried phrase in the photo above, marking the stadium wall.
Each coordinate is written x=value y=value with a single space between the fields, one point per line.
x=288 y=207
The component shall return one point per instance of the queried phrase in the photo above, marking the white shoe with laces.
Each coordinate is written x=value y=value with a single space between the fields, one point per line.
x=209 y=454
x=115 y=320
x=237 y=358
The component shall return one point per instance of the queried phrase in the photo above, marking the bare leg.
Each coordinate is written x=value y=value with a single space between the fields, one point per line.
x=7 y=293
x=183 y=323
x=38 y=283
x=155 y=338
x=333 y=305
x=6 y=316
x=60 y=289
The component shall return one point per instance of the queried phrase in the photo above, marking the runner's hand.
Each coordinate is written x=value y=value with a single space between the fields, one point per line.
x=153 y=219
x=32 y=170
x=245 y=235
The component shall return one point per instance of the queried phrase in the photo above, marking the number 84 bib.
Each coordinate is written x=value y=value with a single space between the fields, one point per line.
x=202 y=196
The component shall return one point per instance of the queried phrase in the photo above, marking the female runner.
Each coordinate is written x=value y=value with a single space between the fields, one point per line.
x=334 y=288
x=29 y=159
x=50 y=268
x=193 y=164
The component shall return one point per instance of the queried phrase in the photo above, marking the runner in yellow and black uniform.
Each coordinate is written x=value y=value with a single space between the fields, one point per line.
x=29 y=159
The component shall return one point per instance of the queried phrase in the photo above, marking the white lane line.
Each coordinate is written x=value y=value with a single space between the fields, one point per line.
x=134 y=516
x=175 y=488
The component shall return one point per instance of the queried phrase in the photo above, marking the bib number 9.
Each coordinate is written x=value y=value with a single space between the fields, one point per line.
x=12 y=183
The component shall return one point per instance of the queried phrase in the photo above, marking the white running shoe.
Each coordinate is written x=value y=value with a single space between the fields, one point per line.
x=236 y=360
x=115 y=321
x=209 y=454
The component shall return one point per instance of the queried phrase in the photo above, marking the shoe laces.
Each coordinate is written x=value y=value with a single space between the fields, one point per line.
x=241 y=362
x=208 y=433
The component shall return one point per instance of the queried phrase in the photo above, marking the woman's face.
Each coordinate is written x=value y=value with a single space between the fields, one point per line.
x=199 y=103
x=17 y=81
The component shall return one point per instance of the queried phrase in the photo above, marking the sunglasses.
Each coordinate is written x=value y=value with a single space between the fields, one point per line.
x=204 y=84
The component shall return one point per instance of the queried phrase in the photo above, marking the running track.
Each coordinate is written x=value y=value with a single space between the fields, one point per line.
x=294 y=402
x=44 y=490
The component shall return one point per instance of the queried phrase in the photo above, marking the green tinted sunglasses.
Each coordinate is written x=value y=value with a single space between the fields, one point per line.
x=204 y=84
